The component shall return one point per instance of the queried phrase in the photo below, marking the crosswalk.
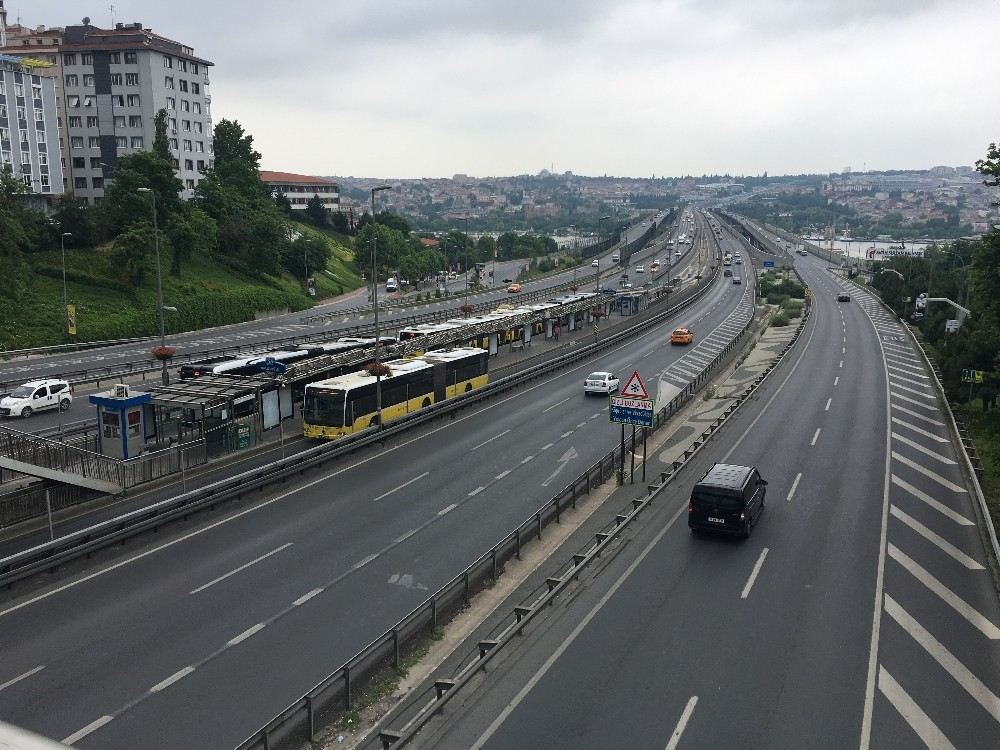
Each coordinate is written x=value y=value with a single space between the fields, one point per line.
x=937 y=653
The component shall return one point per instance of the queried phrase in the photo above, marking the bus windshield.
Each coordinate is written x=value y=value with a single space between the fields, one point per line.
x=324 y=407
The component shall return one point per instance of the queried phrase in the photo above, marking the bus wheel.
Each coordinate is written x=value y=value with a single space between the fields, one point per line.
x=374 y=422
x=468 y=387
x=426 y=403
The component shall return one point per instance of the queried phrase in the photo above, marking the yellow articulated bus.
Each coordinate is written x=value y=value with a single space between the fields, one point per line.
x=346 y=404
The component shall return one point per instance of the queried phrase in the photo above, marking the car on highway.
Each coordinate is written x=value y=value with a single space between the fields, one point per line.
x=615 y=258
x=626 y=285
x=640 y=269
x=843 y=297
x=600 y=382
x=595 y=263
x=727 y=272
x=737 y=280
x=738 y=261
x=514 y=288
x=608 y=290
x=38 y=395
x=682 y=336
x=729 y=499
x=677 y=253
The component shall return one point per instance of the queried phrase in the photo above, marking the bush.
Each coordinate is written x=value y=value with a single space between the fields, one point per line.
x=777 y=299
x=779 y=321
x=792 y=308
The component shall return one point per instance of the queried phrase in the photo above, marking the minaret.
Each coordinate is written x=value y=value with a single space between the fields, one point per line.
x=3 y=25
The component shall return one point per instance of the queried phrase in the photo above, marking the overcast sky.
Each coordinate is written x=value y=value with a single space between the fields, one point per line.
x=430 y=88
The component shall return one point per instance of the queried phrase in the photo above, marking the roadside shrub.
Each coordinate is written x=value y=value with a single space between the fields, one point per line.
x=779 y=321
x=776 y=298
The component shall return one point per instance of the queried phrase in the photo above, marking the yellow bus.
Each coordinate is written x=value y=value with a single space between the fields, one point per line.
x=346 y=404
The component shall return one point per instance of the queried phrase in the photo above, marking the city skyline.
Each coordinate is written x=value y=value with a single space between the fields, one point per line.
x=636 y=89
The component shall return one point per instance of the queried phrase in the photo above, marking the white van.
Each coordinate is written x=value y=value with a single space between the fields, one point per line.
x=391 y=285
x=37 y=395
x=615 y=258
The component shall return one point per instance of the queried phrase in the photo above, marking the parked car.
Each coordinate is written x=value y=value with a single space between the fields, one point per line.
x=728 y=499
x=843 y=297
x=514 y=288
x=38 y=395
x=600 y=382
x=682 y=336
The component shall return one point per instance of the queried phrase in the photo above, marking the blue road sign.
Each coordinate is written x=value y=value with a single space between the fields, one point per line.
x=637 y=411
x=270 y=364
x=768 y=264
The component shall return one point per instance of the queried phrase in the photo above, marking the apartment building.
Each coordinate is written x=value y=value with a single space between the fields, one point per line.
x=111 y=84
x=300 y=188
x=29 y=134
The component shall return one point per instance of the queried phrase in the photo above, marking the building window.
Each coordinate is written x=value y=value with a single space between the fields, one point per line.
x=199 y=128
x=69 y=59
x=119 y=121
x=80 y=183
x=94 y=141
x=88 y=79
x=197 y=108
x=117 y=100
x=186 y=126
x=135 y=121
x=136 y=141
x=168 y=61
x=26 y=161
x=3 y=111
x=172 y=123
x=182 y=66
x=188 y=164
x=39 y=115
x=45 y=183
x=95 y=162
x=79 y=162
x=76 y=141
x=3 y=88
x=116 y=79
x=131 y=79
x=19 y=90
x=173 y=144
x=184 y=85
x=20 y=113
x=43 y=159
x=98 y=182
x=4 y=134
x=87 y=58
x=121 y=141
x=185 y=105
x=199 y=146
x=201 y=165
x=91 y=121
x=36 y=92
x=190 y=184
x=26 y=178
x=131 y=58
x=194 y=68
x=39 y=136
x=4 y=157
x=24 y=135
x=134 y=100
x=168 y=82
x=171 y=103
x=72 y=79
x=195 y=88
x=88 y=101
x=116 y=58
x=187 y=145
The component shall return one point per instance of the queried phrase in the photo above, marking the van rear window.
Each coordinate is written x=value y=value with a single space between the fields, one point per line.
x=733 y=502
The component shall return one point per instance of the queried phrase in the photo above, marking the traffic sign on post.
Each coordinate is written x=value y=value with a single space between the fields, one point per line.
x=636 y=411
x=634 y=387
x=768 y=264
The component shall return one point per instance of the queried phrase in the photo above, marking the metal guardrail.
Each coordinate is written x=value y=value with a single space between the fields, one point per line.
x=335 y=692
x=56 y=348
x=85 y=541
x=57 y=456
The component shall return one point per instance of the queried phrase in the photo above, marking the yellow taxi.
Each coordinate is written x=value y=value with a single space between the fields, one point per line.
x=682 y=336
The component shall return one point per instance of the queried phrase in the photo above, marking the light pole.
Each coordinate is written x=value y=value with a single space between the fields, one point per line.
x=378 y=373
x=62 y=245
x=597 y=282
x=465 y=246
x=159 y=280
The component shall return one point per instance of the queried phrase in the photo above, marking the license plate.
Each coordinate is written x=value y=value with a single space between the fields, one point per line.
x=713 y=519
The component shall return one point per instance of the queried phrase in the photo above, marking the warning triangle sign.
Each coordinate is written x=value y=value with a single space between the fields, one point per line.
x=635 y=388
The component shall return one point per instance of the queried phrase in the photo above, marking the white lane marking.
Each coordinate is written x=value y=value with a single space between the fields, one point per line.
x=547 y=446
x=243 y=636
x=526 y=459
x=918 y=415
x=753 y=574
x=20 y=677
x=581 y=425
x=841 y=363
x=959 y=672
x=574 y=634
x=795 y=486
x=241 y=568
x=403 y=485
x=898 y=363
x=815 y=436
x=502 y=474
x=836 y=381
x=595 y=415
x=953 y=600
x=316 y=592
x=919 y=722
x=476 y=491
x=907 y=399
x=566 y=434
x=897 y=379
x=449 y=509
x=926 y=451
x=682 y=723
x=362 y=563
x=495 y=437
x=935 y=504
x=928 y=473
x=827 y=407
x=843 y=350
x=559 y=403
x=900 y=369
x=91 y=727
x=180 y=674
x=919 y=430
x=939 y=541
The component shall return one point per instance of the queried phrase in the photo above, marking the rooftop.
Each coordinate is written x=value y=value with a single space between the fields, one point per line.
x=282 y=178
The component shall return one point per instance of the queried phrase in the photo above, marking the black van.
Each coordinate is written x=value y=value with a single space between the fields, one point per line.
x=727 y=499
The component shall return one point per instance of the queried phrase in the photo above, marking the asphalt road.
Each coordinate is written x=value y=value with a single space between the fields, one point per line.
x=195 y=639
x=860 y=614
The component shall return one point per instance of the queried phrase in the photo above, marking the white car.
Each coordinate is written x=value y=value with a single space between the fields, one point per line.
x=600 y=382
x=595 y=263
x=640 y=269
x=677 y=253
x=37 y=395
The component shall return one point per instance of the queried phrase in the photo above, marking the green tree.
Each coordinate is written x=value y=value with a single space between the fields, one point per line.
x=990 y=165
x=313 y=251
x=131 y=251
x=73 y=215
x=283 y=203
x=237 y=164
x=161 y=145
x=123 y=204
x=317 y=212
x=190 y=232
x=339 y=221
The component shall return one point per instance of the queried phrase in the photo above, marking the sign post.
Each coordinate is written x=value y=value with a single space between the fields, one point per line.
x=633 y=406
x=970 y=377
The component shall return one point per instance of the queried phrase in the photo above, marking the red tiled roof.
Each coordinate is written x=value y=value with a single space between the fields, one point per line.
x=429 y=242
x=293 y=179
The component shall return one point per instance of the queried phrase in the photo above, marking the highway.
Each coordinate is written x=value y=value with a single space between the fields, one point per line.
x=279 y=327
x=197 y=637
x=860 y=614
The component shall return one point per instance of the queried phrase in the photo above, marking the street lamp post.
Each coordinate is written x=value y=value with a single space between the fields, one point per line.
x=597 y=282
x=465 y=246
x=62 y=245
x=378 y=374
x=159 y=281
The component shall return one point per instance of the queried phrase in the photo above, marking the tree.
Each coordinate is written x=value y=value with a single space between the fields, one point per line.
x=190 y=232
x=73 y=215
x=306 y=250
x=339 y=221
x=284 y=205
x=131 y=251
x=123 y=204
x=161 y=145
x=990 y=165
x=317 y=212
x=237 y=164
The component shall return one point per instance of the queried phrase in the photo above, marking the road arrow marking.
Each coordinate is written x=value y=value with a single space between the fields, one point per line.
x=566 y=457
